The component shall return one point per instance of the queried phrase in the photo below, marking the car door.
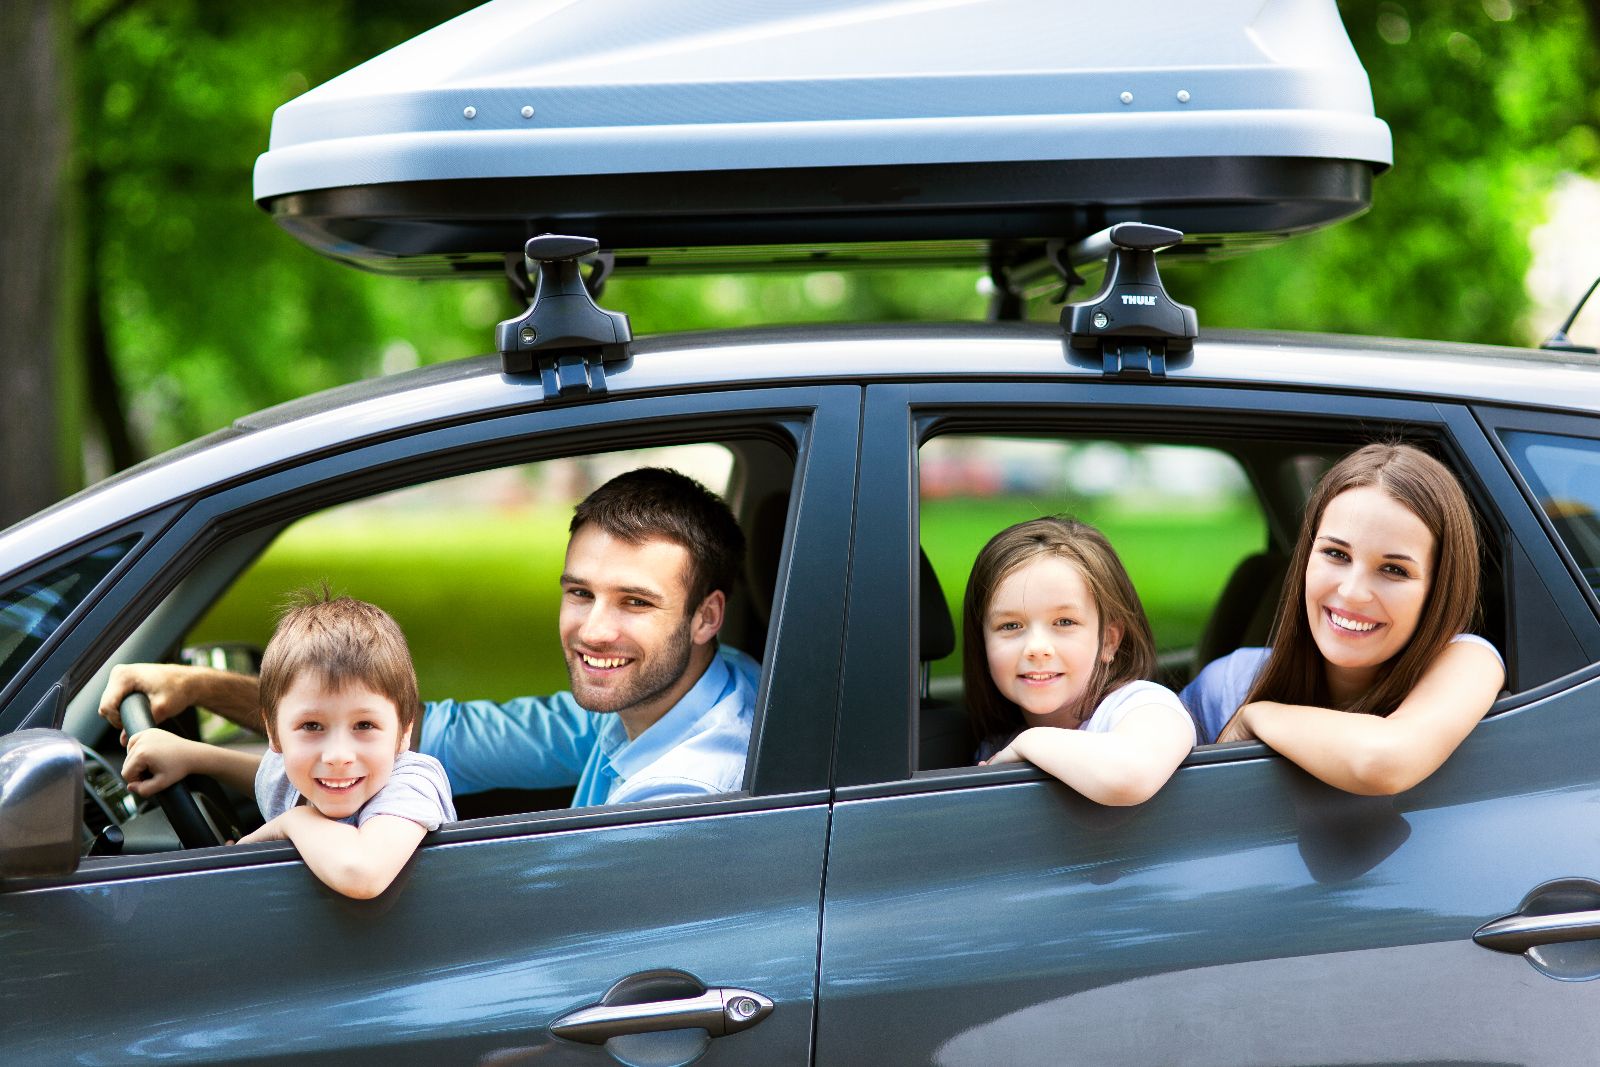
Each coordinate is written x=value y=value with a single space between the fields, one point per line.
x=689 y=912
x=1247 y=914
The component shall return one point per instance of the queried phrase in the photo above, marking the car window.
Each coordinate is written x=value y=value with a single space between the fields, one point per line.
x=1564 y=473
x=1182 y=517
x=31 y=611
x=470 y=568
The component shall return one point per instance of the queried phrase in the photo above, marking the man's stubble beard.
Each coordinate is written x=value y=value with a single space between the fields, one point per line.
x=670 y=665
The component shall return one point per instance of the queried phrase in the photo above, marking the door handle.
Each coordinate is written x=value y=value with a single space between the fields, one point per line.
x=1519 y=933
x=718 y=1012
x=1556 y=928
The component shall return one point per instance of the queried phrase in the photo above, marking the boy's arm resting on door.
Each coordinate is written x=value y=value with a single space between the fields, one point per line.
x=357 y=861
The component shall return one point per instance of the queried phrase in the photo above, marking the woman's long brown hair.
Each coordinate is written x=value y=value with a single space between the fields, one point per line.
x=994 y=718
x=1295 y=672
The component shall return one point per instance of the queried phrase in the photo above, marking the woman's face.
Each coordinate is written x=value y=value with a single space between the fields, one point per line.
x=1042 y=638
x=1367 y=580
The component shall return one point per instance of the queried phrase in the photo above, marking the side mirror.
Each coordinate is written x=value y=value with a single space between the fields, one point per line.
x=41 y=804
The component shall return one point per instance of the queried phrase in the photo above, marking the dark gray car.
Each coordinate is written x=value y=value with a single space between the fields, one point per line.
x=892 y=902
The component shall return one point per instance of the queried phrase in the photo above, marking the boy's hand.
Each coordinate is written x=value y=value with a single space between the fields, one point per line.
x=157 y=759
x=273 y=830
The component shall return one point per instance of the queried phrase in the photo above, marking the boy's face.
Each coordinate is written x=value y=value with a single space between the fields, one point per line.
x=338 y=746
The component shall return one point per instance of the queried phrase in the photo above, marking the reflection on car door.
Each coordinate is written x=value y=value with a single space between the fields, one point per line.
x=1248 y=914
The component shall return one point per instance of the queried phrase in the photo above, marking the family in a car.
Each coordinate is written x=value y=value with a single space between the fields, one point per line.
x=1372 y=680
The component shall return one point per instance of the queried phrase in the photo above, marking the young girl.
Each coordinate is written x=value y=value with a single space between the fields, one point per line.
x=1057 y=653
x=1382 y=587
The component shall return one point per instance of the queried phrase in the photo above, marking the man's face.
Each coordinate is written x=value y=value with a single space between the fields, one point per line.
x=627 y=630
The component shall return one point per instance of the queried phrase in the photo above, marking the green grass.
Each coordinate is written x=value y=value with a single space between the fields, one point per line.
x=477 y=592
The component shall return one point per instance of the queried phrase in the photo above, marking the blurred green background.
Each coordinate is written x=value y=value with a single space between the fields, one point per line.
x=185 y=307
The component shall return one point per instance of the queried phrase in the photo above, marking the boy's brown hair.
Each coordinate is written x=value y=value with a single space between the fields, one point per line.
x=343 y=641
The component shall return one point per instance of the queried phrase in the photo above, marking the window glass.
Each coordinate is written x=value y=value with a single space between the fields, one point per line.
x=1565 y=475
x=32 y=611
x=1181 y=517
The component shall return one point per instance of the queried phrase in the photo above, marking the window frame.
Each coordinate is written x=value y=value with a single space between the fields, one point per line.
x=877 y=742
x=790 y=749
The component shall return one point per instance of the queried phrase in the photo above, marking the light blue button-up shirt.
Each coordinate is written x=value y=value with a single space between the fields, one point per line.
x=697 y=748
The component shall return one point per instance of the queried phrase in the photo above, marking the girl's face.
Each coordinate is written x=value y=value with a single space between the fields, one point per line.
x=1367 y=579
x=1041 y=635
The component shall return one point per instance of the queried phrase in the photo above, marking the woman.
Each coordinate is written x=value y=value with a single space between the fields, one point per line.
x=1382 y=588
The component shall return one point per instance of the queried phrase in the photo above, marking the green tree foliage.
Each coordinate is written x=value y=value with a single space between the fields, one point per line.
x=1490 y=103
x=210 y=311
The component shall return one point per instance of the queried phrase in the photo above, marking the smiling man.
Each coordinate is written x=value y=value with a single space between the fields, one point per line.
x=656 y=709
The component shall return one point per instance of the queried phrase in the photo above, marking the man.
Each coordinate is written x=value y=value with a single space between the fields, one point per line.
x=656 y=709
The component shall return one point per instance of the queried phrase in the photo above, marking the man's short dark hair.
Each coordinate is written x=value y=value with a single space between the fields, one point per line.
x=653 y=502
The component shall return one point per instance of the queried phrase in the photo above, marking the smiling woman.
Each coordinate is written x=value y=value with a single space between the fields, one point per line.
x=1388 y=561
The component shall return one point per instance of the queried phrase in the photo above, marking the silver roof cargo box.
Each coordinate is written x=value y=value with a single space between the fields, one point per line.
x=658 y=124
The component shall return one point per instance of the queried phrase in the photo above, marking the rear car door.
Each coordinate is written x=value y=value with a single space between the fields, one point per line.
x=503 y=925
x=1247 y=914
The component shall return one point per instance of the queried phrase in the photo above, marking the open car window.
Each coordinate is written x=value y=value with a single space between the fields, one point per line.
x=1183 y=518
x=470 y=568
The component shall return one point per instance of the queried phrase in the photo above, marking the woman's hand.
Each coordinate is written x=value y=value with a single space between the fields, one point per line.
x=1238 y=728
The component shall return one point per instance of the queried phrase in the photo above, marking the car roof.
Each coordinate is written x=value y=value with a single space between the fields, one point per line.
x=642 y=126
x=467 y=389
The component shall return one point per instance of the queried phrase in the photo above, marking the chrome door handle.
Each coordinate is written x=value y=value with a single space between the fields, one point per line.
x=1519 y=933
x=716 y=1011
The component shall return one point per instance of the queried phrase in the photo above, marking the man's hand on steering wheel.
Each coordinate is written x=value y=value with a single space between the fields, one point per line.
x=169 y=687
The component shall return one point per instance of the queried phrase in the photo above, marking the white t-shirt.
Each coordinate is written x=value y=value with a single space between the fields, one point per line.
x=1117 y=705
x=417 y=789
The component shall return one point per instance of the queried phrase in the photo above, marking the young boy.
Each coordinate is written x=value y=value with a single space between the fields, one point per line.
x=339 y=700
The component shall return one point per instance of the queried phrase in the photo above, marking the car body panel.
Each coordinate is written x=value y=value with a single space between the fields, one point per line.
x=481 y=945
x=1247 y=914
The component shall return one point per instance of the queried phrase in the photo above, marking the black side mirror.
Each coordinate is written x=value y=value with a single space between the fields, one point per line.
x=41 y=804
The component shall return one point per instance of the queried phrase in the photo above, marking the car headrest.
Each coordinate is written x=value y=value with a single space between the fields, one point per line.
x=937 y=633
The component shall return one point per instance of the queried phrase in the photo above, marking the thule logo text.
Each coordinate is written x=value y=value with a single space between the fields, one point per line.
x=1149 y=301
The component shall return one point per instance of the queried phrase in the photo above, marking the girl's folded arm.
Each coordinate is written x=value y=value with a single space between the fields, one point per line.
x=1126 y=766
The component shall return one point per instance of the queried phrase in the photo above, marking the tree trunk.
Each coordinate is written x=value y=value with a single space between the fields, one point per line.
x=37 y=446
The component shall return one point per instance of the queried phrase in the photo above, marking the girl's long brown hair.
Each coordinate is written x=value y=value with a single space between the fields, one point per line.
x=994 y=718
x=1295 y=672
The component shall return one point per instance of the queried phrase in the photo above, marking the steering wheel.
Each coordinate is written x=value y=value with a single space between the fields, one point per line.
x=195 y=827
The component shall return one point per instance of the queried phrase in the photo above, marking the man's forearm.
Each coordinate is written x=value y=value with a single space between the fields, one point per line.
x=236 y=697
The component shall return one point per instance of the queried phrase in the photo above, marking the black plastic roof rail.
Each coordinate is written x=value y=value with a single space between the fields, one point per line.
x=564 y=336
x=1131 y=322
